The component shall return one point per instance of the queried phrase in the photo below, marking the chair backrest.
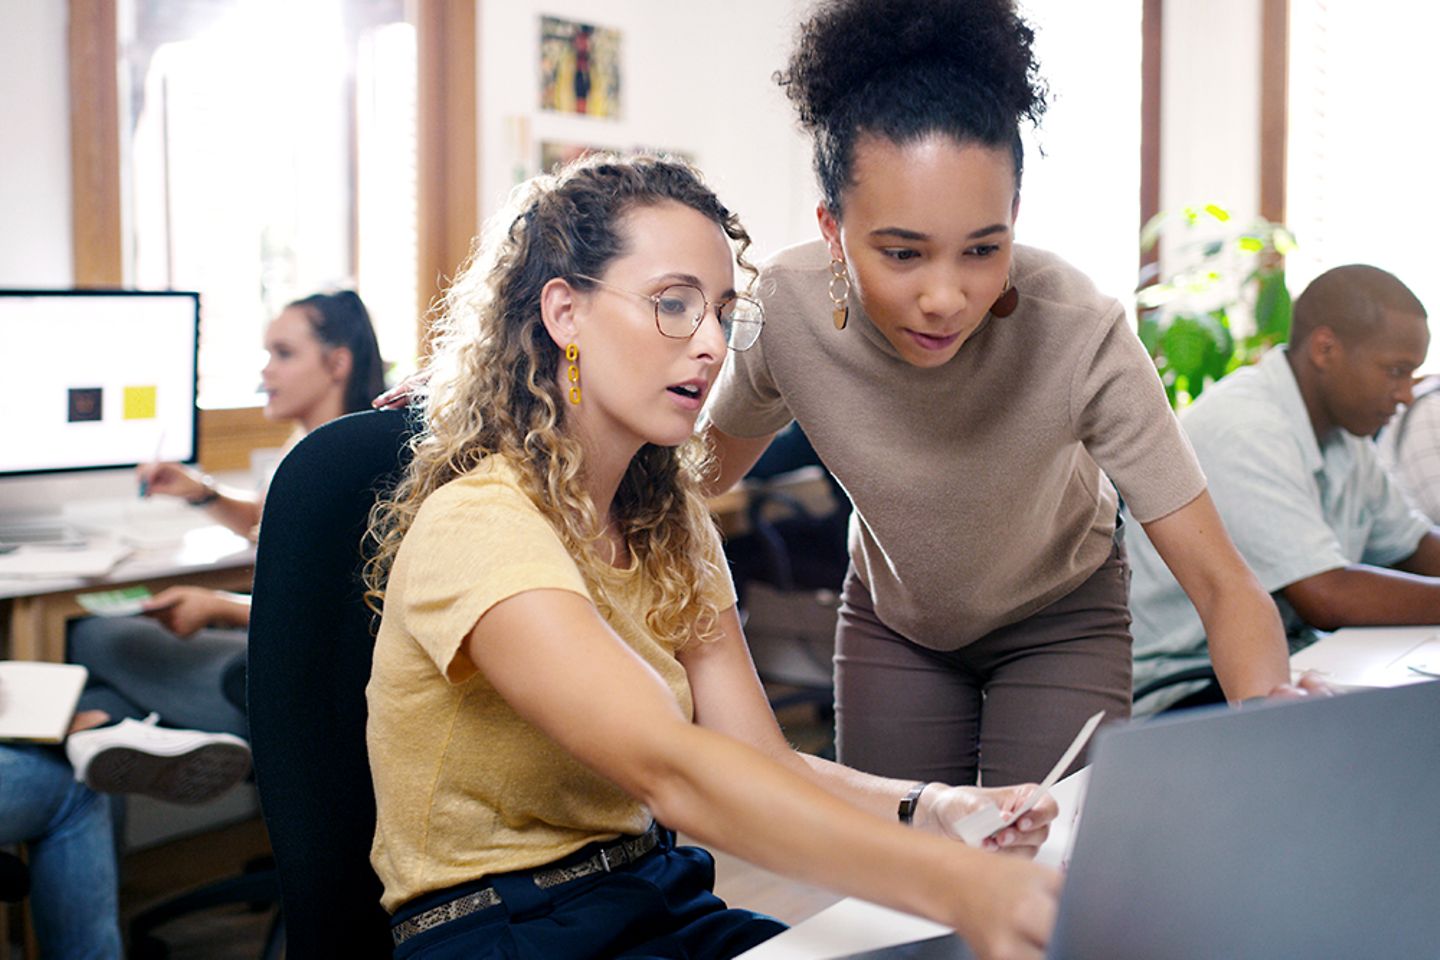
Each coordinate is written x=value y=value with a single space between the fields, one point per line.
x=311 y=642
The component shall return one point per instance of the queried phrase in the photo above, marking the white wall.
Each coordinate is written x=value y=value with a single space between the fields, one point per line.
x=738 y=123
x=35 y=243
x=695 y=78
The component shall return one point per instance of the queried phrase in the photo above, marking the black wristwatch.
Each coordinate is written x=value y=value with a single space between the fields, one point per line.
x=910 y=802
x=211 y=494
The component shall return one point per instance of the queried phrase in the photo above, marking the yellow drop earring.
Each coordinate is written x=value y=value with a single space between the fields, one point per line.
x=572 y=373
x=841 y=297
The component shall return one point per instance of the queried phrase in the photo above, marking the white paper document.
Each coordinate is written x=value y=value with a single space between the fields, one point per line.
x=37 y=700
x=975 y=827
x=33 y=562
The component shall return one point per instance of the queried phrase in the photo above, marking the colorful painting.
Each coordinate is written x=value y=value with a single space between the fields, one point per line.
x=85 y=404
x=579 y=68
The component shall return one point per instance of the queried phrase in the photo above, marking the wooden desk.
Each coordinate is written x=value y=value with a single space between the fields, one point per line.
x=35 y=611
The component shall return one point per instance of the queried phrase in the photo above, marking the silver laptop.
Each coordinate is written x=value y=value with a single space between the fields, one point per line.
x=1307 y=829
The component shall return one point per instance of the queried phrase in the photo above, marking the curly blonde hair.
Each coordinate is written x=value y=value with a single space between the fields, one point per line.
x=493 y=389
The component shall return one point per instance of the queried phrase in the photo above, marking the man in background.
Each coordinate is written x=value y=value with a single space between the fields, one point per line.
x=1286 y=448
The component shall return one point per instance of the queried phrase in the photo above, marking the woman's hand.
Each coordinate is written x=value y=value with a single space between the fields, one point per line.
x=185 y=610
x=172 y=480
x=398 y=397
x=1309 y=685
x=942 y=807
x=1011 y=915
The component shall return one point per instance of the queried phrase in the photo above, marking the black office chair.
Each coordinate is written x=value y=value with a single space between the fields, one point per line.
x=14 y=878
x=311 y=641
x=788 y=569
x=255 y=886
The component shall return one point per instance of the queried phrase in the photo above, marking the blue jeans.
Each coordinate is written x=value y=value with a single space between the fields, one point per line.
x=137 y=666
x=65 y=826
x=661 y=907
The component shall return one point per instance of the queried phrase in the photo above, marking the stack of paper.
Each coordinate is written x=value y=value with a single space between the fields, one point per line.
x=34 y=562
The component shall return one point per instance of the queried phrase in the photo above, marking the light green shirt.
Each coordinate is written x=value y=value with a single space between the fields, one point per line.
x=1294 y=507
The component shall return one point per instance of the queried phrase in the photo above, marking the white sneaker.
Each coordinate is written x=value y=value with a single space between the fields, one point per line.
x=181 y=766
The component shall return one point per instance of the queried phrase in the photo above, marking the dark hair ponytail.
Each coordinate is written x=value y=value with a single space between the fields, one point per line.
x=340 y=319
x=905 y=69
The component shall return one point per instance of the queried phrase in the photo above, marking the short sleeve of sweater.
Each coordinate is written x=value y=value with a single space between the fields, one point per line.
x=475 y=542
x=1121 y=415
x=746 y=401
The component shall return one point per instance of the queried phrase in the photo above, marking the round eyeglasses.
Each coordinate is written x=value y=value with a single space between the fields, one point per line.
x=680 y=308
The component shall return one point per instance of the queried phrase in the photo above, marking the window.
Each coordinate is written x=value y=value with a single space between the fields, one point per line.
x=1080 y=197
x=270 y=154
x=1360 y=183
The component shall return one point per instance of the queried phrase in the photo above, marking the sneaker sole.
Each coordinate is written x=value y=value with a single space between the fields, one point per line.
x=192 y=777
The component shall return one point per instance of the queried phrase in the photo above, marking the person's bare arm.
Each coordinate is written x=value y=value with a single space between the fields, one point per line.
x=1243 y=628
x=729 y=699
x=734 y=456
x=1426 y=558
x=236 y=509
x=606 y=707
x=1362 y=595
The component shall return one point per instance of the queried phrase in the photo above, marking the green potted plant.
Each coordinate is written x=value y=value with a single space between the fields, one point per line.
x=1221 y=300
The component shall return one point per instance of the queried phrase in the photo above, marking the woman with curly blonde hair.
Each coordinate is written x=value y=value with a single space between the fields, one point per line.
x=559 y=657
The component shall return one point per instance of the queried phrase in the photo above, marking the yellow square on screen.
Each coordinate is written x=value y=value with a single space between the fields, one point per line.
x=139 y=403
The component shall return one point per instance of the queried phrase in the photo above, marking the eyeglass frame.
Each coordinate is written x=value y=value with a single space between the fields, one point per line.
x=654 y=299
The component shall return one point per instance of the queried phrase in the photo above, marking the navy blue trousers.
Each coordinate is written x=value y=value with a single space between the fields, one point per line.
x=662 y=906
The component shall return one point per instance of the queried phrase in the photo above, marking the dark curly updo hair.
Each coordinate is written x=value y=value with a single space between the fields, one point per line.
x=905 y=69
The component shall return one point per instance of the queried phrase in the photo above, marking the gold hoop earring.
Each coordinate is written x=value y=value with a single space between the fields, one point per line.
x=1008 y=300
x=572 y=373
x=841 y=298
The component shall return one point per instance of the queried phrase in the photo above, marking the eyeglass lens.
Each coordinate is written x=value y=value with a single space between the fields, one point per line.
x=680 y=309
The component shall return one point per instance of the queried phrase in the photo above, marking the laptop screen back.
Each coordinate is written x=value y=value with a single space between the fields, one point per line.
x=1304 y=829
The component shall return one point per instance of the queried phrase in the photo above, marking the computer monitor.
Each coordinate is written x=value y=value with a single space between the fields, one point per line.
x=97 y=379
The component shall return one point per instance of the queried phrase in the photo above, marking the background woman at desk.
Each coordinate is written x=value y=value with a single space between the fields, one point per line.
x=324 y=362
x=975 y=398
x=560 y=657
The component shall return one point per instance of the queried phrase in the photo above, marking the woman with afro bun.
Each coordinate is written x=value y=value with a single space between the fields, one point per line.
x=976 y=398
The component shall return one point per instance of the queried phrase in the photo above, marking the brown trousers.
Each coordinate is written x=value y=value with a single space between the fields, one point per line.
x=997 y=711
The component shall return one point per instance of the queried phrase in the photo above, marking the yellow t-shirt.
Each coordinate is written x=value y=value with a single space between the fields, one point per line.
x=464 y=787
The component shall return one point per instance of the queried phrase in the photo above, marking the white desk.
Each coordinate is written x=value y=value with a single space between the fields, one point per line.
x=168 y=548
x=1372 y=656
x=853 y=925
x=1355 y=657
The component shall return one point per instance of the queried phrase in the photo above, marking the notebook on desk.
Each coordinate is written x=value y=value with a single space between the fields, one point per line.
x=37 y=700
x=1304 y=829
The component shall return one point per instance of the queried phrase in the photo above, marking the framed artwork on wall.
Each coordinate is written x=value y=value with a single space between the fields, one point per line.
x=579 y=68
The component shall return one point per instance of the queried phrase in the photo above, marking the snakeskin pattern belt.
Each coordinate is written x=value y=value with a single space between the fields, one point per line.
x=616 y=855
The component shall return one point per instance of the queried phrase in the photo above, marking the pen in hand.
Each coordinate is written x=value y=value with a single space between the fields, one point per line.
x=154 y=462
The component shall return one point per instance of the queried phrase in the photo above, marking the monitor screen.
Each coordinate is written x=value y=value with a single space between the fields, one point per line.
x=97 y=379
